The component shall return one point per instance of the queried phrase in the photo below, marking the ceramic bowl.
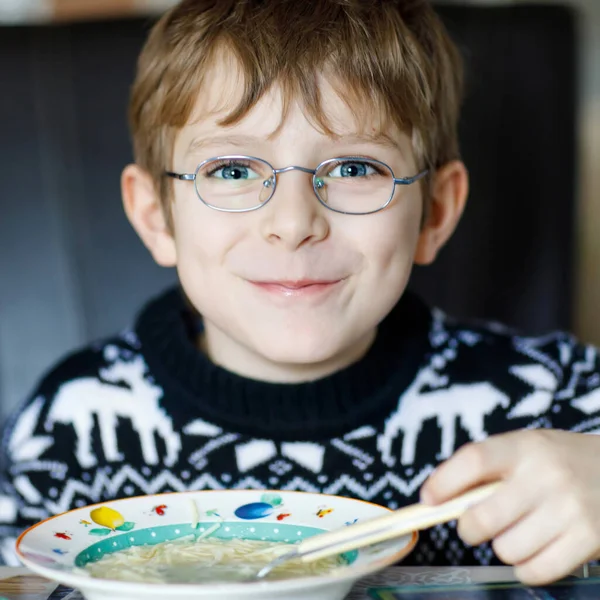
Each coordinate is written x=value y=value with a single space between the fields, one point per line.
x=58 y=547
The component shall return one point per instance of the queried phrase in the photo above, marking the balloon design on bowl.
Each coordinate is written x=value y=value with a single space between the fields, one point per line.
x=61 y=546
x=259 y=510
x=110 y=521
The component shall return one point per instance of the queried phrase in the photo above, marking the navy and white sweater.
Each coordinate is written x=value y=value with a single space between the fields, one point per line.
x=146 y=412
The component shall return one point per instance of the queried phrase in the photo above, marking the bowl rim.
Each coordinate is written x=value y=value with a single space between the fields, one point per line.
x=185 y=589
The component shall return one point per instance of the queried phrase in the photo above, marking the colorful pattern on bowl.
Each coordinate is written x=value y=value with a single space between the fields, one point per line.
x=58 y=547
x=229 y=530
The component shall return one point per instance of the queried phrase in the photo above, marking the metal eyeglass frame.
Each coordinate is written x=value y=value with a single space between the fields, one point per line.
x=272 y=182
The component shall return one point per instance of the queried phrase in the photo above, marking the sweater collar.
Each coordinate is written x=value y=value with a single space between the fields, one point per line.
x=327 y=407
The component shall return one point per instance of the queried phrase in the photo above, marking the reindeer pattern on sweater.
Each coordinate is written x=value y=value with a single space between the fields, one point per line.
x=110 y=430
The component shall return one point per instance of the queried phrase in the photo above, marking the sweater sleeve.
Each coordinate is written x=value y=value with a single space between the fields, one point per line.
x=27 y=472
x=38 y=453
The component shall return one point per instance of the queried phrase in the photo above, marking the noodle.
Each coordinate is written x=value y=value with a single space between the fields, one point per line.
x=203 y=561
x=195 y=515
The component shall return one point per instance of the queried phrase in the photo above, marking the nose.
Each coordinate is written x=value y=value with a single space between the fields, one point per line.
x=294 y=217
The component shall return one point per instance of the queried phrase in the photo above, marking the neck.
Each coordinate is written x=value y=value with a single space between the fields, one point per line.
x=238 y=358
x=328 y=406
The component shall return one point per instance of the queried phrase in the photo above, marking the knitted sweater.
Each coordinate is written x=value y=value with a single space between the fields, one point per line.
x=146 y=412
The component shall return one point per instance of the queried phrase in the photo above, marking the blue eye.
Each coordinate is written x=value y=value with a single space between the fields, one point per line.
x=233 y=171
x=352 y=169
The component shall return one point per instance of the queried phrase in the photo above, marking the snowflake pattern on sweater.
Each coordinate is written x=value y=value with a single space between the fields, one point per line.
x=100 y=427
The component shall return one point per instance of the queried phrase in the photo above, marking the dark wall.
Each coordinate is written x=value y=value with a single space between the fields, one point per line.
x=71 y=269
x=512 y=256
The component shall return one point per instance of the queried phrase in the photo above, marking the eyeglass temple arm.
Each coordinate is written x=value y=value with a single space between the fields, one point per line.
x=409 y=180
x=181 y=176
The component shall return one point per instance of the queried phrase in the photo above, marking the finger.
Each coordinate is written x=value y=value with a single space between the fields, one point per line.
x=560 y=558
x=509 y=504
x=530 y=535
x=472 y=465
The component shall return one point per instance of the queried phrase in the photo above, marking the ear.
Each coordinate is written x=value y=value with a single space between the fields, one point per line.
x=147 y=215
x=450 y=189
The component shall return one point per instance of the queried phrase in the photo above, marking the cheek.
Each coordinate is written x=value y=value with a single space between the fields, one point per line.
x=389 y=240
x=203 y=242
x=396 y=245
x=203 y=236
x=203 y=239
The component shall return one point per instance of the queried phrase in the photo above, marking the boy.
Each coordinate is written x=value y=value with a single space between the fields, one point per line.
x=293 y=160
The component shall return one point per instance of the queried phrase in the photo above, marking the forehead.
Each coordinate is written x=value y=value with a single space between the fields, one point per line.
x=340 y=114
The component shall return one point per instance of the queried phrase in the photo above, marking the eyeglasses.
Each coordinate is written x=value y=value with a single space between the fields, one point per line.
x=350 y=185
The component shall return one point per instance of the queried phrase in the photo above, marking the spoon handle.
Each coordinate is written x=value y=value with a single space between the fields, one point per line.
x=396 y=524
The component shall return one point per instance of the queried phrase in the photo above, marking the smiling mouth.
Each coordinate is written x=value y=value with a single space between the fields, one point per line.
x=297 y=289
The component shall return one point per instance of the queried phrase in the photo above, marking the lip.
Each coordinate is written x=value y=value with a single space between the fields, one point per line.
x=305 y=288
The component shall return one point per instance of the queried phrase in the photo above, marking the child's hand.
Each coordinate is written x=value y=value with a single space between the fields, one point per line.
x=545 y=517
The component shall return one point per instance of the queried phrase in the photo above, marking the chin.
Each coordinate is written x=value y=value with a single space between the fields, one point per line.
x=295 y=351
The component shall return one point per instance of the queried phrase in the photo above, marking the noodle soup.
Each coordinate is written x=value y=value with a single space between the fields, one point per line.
x=204 y=560
x=184 y=546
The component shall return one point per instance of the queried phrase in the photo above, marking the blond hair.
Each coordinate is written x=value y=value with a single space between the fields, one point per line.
x=393 y=54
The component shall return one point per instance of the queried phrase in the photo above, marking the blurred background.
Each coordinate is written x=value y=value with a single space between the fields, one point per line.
x=72 y=270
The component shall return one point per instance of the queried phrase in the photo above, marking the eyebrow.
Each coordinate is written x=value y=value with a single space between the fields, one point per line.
x=378 y=139
x=201 y=142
